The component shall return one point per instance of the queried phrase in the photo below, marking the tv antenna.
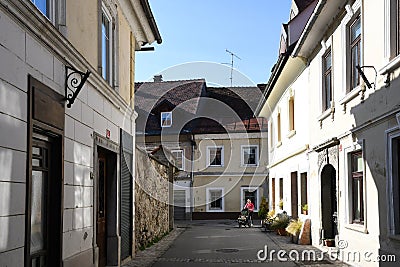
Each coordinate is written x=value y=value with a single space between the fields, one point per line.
x=233 y=55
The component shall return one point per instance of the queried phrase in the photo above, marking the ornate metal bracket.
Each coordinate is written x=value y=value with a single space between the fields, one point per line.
x=74 y=81
x=362 y=74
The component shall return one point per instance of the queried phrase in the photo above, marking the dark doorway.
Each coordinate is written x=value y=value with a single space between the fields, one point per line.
x=106 y=204
x=294 y=195
x=45 y=201
x=329 y=202
x=304 y=189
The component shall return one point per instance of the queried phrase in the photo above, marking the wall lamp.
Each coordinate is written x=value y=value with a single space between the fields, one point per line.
x=74 y=81
x=362 y=74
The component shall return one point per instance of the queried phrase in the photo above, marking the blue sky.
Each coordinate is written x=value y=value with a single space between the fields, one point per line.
x=201 y=31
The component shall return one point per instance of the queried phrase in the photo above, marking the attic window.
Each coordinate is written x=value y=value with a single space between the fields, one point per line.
x=166 y=119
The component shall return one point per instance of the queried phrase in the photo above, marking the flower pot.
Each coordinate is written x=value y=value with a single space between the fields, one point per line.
x=305 y=212
x=282 y=231
x=329 y=242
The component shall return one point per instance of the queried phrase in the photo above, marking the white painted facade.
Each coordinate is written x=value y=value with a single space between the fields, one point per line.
x=31 y=45
x=360 y=119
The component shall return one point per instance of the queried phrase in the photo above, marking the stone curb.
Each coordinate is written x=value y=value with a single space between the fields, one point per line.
x=150 y=255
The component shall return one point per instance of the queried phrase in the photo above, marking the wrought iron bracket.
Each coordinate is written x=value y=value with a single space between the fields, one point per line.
x=74 y=81
x=362 y=74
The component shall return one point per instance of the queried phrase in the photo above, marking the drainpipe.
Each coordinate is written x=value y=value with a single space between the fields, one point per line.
x=193 y=143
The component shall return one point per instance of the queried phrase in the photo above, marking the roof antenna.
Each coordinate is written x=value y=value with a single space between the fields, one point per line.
x=232 y=63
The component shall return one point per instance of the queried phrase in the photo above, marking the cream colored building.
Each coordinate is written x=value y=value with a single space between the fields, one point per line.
x=351 y=126
x=228 y=170
x=67 y=165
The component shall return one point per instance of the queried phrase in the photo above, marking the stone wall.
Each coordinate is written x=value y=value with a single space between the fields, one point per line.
x=151 y=199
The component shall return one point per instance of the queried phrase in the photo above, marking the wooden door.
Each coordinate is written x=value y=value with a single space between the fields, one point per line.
x=101 y=209
x=294 y=192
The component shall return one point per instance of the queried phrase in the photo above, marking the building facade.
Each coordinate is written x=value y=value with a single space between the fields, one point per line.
x=350 y=112
x=66 y=112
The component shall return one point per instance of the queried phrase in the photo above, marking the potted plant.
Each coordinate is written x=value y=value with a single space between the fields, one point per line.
x=263 y=209
x=267 y=222
x=280 y=204
x=294 y=229
x=280 y=222
x=305 y=209
x=329 y=242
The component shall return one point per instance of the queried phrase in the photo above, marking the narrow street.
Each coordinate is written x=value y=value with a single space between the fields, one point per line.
x=223 y=243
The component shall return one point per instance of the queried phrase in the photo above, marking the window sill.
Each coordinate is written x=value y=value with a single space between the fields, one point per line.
x=351 y=95
x=249 y=165
x=390 y=66
x=279 y=144
x=357 y=227
x=325 y=114
x=215 y=166
x=216 y=210
x=291 y=133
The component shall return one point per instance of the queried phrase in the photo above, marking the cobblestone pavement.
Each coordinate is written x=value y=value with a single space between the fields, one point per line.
x=222 y=243
x=148 y=256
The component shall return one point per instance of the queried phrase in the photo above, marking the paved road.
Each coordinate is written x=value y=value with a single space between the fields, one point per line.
x=222 y=243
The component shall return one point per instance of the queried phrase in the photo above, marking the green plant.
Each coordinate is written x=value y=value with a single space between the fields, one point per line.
x=305 y=207
x=281 y=221
x=280 y=204
x=263 y=209
x=294 y=227
x=271 y=215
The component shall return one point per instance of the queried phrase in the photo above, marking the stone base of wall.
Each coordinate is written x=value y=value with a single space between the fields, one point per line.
x=84 y=259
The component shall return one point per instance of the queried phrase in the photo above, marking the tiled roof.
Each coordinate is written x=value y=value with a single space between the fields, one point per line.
x=207 y=109
x=303 y=4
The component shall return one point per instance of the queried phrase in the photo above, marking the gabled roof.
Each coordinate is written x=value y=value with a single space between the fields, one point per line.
x=151 y=98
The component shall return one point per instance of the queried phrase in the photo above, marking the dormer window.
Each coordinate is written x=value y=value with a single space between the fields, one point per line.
x=166 y=119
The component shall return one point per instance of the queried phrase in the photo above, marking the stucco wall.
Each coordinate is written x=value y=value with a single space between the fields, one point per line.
x=151 y=198
x=82 y=28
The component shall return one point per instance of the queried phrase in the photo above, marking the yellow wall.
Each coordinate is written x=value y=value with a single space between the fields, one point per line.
x=124 y=50
x=231 y=187
x=82 y=27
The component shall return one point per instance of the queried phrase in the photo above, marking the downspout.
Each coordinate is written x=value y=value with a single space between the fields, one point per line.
x=193 y=143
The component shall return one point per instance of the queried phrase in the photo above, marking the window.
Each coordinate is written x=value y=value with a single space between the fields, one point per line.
x=291 y=114
x=178 y=154
x=303 y=177
x=271 y=135
x=279 y=127
x=215 y=156
x=166 y=119
x=393 y=180
x=280 y=188
x=273 y=193
x=357 y=178
x=106 y=46
x=355 y=52
x=327 y=80
x=215 y=199
x=249 y=193
x=249 y=155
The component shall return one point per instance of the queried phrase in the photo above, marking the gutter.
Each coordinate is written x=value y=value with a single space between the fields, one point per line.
x=151 y=20
x=272 y=80
x=309 y=25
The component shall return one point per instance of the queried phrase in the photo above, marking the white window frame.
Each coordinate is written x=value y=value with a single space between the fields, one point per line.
x=50 y=8
x=208 y=200
x=347 y=153
x=242 y=155
x=111 y=54
x=392 y=177
x=209 y=156
x=182 y=155
x=242 y=201
x=166 y=113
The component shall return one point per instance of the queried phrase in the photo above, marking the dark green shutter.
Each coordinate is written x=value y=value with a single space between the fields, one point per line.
x=126 y=194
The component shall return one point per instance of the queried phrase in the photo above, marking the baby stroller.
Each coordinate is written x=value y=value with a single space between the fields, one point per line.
x=244 y=218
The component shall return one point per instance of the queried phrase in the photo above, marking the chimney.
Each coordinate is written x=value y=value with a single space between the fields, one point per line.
x=158 y=78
